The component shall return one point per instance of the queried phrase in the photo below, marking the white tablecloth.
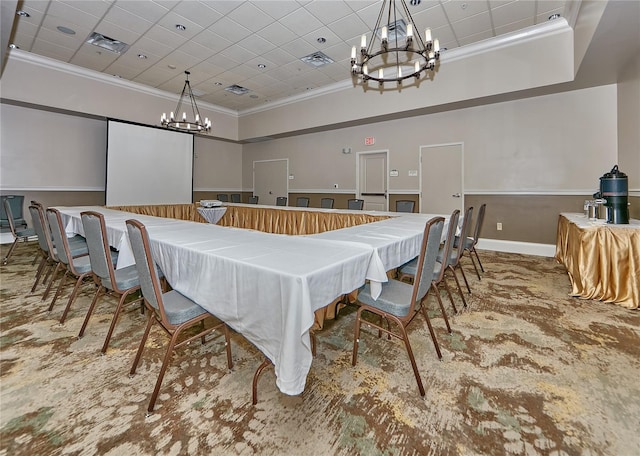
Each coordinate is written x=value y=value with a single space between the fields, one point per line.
x=265 y=286
x=212 y=214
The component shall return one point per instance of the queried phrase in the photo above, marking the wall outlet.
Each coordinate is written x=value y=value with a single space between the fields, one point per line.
x=499 y=226
x=335 y=185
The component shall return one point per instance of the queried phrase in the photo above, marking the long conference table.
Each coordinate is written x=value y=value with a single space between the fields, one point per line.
x=267 y=286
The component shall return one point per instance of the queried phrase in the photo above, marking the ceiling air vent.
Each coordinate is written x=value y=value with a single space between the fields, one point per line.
x=395 y=30
x=238 y=90
x=317 y=59
x=107 y=43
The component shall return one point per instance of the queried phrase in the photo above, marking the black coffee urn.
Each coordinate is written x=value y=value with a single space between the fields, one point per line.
x=614 y=187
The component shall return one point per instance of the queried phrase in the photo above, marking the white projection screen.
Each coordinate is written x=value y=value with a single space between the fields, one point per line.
x=148 y=165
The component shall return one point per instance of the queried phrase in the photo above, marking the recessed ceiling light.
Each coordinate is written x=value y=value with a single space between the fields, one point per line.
x=23 y=13
x=554 y=16
x=66 y=30
x=321 y=40
x=261 y=65
x=171 y=67
x=142 y=56
x=415 y=2
x=217 y=83
x=181 y=27
x=464 y=6
x=13 y=46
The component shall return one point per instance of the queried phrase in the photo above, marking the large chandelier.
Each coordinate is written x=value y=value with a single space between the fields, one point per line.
x=402 y=54
x=192 y=126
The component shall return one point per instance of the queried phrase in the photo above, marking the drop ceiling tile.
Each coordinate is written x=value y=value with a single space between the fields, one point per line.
x=52 y=50
x=475 y=38
x=432 y=18
x=148 y=46
x=93 y=58
x=512 y=12
x=278 y=9
x=544 y=17
x=171 y=19
x=49 y=33
x=256 y=44
x=323 y=32
x=149 y=11
x=198 y=12
x=445 y=35
x=222 y=61
x=237 y=54
x=197 y=51
x=214 y=42
x=301 y=22
x=35 y=5
x=369 y=15
x=473 y=25
x=279 y=56
x=224 y=6
x=116 y=32
x=339 y=51
x=166 y=37
x=461 y=9
x=250 y=17
x=230 y=30
x=338 y=10
x=349 y=28
x=298 y=48
x=156 y=76
x=180 y=60
x=363 y=4
x=277 y=34
x=69 y=12
x=512 y=27
x=124 y=70
x=553 y=6
x=128 y=21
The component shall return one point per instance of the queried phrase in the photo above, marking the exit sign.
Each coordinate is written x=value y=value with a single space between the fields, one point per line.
x=369 y=141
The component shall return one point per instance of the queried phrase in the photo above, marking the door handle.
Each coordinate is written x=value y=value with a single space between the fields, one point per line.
x=456 y=195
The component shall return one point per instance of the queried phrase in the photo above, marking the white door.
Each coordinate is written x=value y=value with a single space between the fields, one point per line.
x=270 y=180
x=441 y=179
x=372 y=180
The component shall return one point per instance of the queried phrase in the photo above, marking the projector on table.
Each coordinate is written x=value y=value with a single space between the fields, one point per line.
x=210 y=203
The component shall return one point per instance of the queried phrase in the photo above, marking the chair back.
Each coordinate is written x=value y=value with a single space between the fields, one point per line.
x=9 y=213
x=39 y=225
x=405 y=205
x=302 y=201
x=448 y=244
x=223 y=197
x=236 y=198
x=427 y=259
x=95 y=232
x=15 y=203
x=147 y=274
x=355 y=204
x=59 y=238
x=479 y=221
x=326 y=203
x=253 y=200
x=464 y=233
x=281 y=201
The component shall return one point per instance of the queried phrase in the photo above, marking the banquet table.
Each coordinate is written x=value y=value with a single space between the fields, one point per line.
x=265 y=286
x=602 y=260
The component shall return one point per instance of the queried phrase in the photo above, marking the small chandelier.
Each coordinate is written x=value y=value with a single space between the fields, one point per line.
x=402 y=55
x=195 y=126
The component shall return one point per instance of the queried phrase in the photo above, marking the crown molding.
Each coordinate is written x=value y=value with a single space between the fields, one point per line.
x=45 y=62
x=534 y=32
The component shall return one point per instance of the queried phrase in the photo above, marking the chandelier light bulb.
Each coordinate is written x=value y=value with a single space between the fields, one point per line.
x=427 y=35
x=172 y=117
x=409 y=30
x=384 y=34
x=436 y=45
x=363 y=42
x=353 y=53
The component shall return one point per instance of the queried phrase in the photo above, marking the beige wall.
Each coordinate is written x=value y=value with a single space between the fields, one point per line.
x=549 y=144
x=629 y=124
x=217 y=166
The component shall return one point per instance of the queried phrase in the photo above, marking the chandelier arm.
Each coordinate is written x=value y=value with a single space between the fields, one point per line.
x=373 y=34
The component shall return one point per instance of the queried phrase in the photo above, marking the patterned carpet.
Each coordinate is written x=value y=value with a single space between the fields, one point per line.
x=527 y=371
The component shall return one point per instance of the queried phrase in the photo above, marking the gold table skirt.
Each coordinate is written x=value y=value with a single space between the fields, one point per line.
x=269 y=220
x=603 y=261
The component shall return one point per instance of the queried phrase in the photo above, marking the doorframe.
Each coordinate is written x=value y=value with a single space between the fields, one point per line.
x=370 y=152
x=253 y=169
x=455 y=143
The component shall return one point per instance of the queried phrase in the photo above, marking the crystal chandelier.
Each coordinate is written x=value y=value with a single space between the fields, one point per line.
x=191 y=126
x=402 y=53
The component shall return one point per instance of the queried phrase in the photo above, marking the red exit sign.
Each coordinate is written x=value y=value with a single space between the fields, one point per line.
x=369 y=141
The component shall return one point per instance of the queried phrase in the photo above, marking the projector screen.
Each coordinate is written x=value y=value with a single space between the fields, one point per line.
x=148 y=165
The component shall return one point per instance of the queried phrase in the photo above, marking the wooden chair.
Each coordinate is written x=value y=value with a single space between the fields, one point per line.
x=174 y=312
x=400 y=302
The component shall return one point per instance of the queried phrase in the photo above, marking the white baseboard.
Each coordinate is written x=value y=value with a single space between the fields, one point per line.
x=527 y=248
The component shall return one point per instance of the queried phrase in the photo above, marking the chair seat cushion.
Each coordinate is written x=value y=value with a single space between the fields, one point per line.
x=126 y=278
x=82 y=264
x=26 y=232
x=410 y=268
x=179 y=308
x=394 y=299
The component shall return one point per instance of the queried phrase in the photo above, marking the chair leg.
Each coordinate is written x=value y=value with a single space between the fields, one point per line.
x=227 y=342
x=478 y=258
x=114 y=320
x=96 y=296
x=433 y=334
x=266 y=363
x=10 y=252
x=51 y=281
x=453 y=303
x=72 y=296
x=163 y=369
x=356 y=337
x=412 y=358
x=312 y=336
x=453 y=272
x=444 y=314
x=41 y=267
x=58 y=290
x=473 y=262
x=150 y=320
x=464 y=276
